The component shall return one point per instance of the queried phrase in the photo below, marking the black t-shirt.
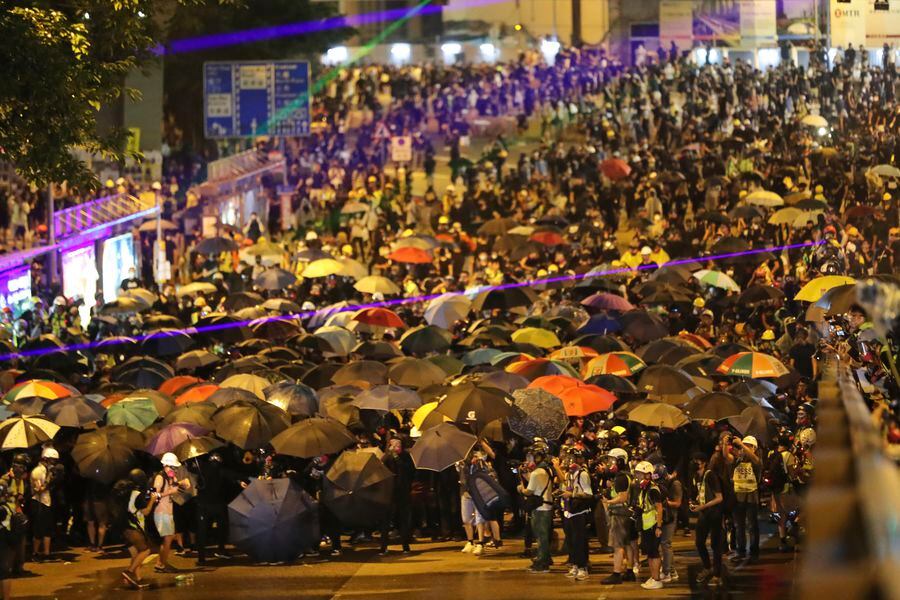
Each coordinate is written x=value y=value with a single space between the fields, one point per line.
x=713 y=486
x=802 y=355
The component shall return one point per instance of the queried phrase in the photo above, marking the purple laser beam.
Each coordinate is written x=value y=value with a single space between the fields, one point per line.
x=249 y=36
x=395 y=302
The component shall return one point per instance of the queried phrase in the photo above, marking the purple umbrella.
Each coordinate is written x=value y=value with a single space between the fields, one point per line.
x=171 y=435
x=607 y=301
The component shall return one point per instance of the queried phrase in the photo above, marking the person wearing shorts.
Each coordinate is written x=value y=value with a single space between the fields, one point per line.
x=166 y=484
x=96 y=515
x=650 y=501
x=141 y=503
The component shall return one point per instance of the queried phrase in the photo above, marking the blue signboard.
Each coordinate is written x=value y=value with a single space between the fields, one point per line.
x=246 y=99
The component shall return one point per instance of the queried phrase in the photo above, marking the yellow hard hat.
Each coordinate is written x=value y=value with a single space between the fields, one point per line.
x=618 y=429
x=768 y=335
x=444 y=220
x=739 y=328
x=699 y=302
x=742 y=193
x=200 y=302
x=553 y=269
x=406 y=233
x=542 y=273
x=110 y=183
x=886 y=197
x=852 y=230
x=820 y=189
x=347 y=250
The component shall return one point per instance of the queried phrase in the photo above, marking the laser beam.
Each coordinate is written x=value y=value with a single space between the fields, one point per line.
x=397 y=302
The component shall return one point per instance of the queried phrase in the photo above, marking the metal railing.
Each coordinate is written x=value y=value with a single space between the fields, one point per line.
x=102 y=211
x=852 y=510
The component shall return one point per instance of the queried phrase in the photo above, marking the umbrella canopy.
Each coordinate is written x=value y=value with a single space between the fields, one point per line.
x=607 y=301
x=388 y=397
x=657 y=414
x=196 y=287
x=380 y=317
x=542 y=338
x=554 y=384
x=714 y=406
x=240 y=300
x=197 y=393
x=196 y=447
x=416 y=373
x=716 y=279
x=102 y=455
x=275 y=279
x=642 y=326
x=37 y=388
x=574 y=354
x=177 y=384
x=752 y=364
x=754 y=420
x=74 y=411
x=254 y=384
x=296 y=399
x=668 y=383
x=196 y=359
x=411 y=255
x=838 y=300
x=446 y=310
x=249 y=425
x=27 y=406
x=760 y=293
x=613 y=383
x=504 y=299
x=170 y=436
x=199 y=414
x=785 y=216
x=441 y=446
x=764 y=198
x=358 y=489
x=615 y=168
x=623 y=364
x=26 y=431
x=475 y=405
x=362 y=370
x=584 y=399
x=166 y=342
x=425 y=339
x=323 y=267
x=537 y=413
x=532 y=368
x=376 y=284
x=815 y=289
x=273 y=520
x=501 y=380
x=215 y=245
x=136 y=413
x=814 y=121
x=313 y=437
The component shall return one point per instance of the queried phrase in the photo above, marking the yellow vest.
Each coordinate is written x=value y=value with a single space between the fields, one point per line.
x=744 y=478
x=648 y=518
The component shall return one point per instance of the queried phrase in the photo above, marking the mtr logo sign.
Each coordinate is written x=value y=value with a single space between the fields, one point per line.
x=847 y=13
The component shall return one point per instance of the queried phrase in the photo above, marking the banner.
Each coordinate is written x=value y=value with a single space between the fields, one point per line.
x=79 y=274
x=757 y=22
x=883 y=23
x=796 y=19
x=717 y=21
x=118 y=259
x=401 y=148
x=848 y=22
x=676 y=23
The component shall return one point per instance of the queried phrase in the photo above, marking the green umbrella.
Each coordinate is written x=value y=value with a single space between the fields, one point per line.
x=137 y=414
x=426 y=339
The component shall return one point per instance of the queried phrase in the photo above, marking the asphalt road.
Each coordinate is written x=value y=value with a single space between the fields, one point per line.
x=433 y=570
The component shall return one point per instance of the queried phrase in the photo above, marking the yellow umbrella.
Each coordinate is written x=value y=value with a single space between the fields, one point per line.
x=764 y=198
x=542 y=338
x=376 y=284
x=784 y=216
x=322 y=268
x=804 y=217
x=352 y=268
x=814 y=121
x=422 y=413
x=815 y=289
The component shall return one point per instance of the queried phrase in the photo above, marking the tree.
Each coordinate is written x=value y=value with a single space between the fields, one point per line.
x=183 y=75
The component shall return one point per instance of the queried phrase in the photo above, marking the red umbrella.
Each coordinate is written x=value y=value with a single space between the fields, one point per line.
x=172 y=386
x=410 y=254
x=381 y=317
x=548 y=238
x=198 y=393
x=615 y=168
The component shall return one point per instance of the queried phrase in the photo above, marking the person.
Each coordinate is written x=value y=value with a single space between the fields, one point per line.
x=41 y=512
x=650 y=502
x=95 y=514
x=16 y=482
x=746 y=475
x=673 y=493
x=140 y=501
x=620 y=523
x=7 y=543
x=472 y=520
x=166 y=486
x=212 y=496
x=577 y=499
x=253 y=230
x=540 y=487
x=401 y=465
x=708 y=506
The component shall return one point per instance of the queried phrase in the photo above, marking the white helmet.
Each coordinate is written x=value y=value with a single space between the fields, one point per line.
x=644 y=467
x=619 y=453
x=750 y=441
x=807 y=437
x=50 y=453
x=170 y=460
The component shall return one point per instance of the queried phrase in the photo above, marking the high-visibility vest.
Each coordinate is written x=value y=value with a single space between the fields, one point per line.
x=744 y=478
x=648 y=508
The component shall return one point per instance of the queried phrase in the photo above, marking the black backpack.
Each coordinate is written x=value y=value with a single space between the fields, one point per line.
x=775 y=475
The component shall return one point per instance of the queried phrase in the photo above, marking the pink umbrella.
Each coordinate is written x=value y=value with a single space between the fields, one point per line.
x=607 y=301
x=170 y=436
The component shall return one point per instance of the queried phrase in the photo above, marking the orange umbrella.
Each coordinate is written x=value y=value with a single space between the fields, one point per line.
x=538 y=367
x=614 y=363
x=555 y=384
x=112 y=399
x=409 y=254
x=381 y=317
x=198 y=393
x=583 y=399
x=174 y=385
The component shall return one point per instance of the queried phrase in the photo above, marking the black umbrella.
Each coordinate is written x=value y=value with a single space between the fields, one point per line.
x=475 y=405
x=668 y=384
x=508 y=382
x=756 y=421
x=273 y=520
x=358 y=489
x=362 y=370
x=714 y=406
x=166 y=342
x=760 y=293
x=321 y=375
x=388 y=397
x=196 y=359
x=225 y=396
x=296 y=399
x=196 y=447
x=239 y=300
x=441 y=446
x=313 y=437
x=275 y=279
x=701 y=365
x=504 y=299
x=160 y=321
x=426 y=339
x=215 y=245
x=642 y=326
x=613 y=383
x=104 y=455
x=269 y=328
x=249 y=425
x=416 y=373
x=375 y=350
x=74 y=411
x=198 y=413
x=537 y=413
x=142 y=378
x=222 y=328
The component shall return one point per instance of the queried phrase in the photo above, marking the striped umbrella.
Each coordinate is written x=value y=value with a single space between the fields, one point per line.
x=37 y=388
x=614 y=363
x=752 y=364
x=537 y=367
x=25 y=432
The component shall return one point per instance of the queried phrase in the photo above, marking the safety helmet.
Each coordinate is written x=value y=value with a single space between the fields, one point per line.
x=137 y=477
x=200 y=302
x=618 y=453
x=807 y=437
x=768 y=335
x=59 y=301
x=170 y=460
x=661 y=471
x=699 y=302
x=49 y=453
x=644 y=467
x=750 y=441
x=830 y=229
x=444 y=220
x=540 y=447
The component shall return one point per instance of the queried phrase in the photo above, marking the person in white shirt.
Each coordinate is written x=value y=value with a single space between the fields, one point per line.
x=539 y=497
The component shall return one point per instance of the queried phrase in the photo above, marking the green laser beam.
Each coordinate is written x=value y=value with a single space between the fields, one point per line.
x=322 y=81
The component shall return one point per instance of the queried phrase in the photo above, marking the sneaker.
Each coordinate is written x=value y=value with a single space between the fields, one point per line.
x=703 y=576
x=335 y=552
x=629 y=575
x=225 y=556
x=581 y=575
x=614 y=579
x=537 y=569
x=479 y=548
x=130 y=577
x=467 y=549
x=637 y=570
x=670 y=577
x=572 y=572
x=652 y=584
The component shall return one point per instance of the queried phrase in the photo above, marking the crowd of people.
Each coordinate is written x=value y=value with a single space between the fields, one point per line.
x=673 y=395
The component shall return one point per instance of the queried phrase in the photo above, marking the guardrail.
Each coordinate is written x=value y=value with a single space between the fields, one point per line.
x=852 y=509
x=102 y=211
